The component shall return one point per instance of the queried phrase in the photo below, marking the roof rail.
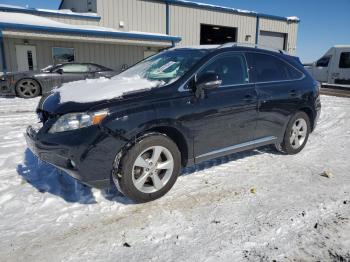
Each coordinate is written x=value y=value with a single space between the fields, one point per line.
x=234 y=44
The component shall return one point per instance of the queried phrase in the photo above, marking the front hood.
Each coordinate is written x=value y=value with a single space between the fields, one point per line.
x=52 y=104
x=94 y=90
x=24 y=73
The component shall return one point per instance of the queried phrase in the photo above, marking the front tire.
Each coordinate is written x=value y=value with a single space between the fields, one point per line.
x=28 y=88
x=149 y=169
x=297 y=134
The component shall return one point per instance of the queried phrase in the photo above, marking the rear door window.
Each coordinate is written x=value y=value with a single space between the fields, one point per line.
x=344 y=61
x=231 y=69
x=269 y=68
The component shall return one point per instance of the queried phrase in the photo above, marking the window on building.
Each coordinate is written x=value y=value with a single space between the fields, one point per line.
x=323 y=62
x=63 y=55
x=231 y=69
x=269 y=68
x=217 y=35
x=344 y=60
x=75 y=68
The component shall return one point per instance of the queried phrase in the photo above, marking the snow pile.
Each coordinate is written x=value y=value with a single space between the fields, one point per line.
x=62 y=11
x=216 y=6
x=91 y=90
x=293 y=18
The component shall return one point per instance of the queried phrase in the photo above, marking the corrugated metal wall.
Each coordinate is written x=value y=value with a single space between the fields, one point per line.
x=150 y=16
x=290 y=28
x=137 y=15
x=185 y=22
x=110 y=55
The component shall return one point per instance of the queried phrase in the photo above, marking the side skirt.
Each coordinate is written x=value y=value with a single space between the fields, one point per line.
x=236 y=148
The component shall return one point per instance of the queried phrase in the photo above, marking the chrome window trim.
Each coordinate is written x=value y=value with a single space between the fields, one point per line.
x=182 y=87
x=245 y=144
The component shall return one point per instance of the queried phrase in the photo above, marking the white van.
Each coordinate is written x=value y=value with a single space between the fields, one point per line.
x=333 y=69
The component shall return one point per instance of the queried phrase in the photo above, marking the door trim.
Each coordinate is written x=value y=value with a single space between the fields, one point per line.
x=234 y=148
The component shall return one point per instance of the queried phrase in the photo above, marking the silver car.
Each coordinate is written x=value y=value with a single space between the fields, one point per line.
x=30 y=84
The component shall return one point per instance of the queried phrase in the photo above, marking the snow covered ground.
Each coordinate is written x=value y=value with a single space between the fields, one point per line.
x=251 y=206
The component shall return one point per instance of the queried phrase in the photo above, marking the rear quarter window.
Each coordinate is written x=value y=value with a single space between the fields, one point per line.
x=269 y=68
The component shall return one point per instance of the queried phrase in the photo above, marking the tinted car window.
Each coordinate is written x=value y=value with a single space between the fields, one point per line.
x=323 y=62
x=75 y=68
x=231 y=69
x=270 y=68
x=344 y=60
x=98 y=68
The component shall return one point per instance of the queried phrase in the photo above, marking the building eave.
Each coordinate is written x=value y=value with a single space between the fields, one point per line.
x=90 y=32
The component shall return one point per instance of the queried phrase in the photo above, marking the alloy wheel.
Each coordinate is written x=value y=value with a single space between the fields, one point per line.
x=298 y=133
x=152 y=169
x=28 y=88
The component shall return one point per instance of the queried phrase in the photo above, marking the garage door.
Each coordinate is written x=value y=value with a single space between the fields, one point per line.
x=272 y=39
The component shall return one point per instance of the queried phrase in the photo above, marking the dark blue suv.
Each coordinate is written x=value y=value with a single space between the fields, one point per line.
x=174 y=109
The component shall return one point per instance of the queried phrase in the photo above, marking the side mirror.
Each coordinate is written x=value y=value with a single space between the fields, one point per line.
x=208 y=81
x=59 y=71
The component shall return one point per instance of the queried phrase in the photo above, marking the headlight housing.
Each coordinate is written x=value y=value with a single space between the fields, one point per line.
x=73 y=121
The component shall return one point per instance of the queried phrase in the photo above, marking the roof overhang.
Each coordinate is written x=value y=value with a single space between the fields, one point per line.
x=88 y=34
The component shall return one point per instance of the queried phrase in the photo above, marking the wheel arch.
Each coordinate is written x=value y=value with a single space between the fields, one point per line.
x=177 y=136
x=310 y=114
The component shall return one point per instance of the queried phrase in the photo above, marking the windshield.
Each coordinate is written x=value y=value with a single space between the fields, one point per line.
x=165 y=67
x=49 y=68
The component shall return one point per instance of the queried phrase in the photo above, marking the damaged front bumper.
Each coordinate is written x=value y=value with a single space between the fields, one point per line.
x=86 y=155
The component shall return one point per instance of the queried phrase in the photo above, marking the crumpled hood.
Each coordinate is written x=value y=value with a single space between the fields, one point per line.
x=53 y=103
x=93 y=90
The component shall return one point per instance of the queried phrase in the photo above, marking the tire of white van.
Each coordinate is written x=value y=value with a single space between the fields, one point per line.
x=296 y=135
x=149 y=169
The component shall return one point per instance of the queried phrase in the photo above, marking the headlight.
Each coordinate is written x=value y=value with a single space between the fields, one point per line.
x=74 y=121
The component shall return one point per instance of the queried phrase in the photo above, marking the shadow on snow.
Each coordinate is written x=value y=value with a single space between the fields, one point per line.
x=48 y=179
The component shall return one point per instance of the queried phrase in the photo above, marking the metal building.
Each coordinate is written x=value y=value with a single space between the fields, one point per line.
x=118 y=33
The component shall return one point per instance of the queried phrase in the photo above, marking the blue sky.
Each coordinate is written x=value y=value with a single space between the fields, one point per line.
x=324 y=23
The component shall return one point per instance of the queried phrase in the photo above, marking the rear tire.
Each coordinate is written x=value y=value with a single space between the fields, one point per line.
x=149 y=169
x=296 y=135
x=28 y=88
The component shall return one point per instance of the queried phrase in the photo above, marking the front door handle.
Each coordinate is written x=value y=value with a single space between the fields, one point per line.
x=248 y=98
x=293 y=93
